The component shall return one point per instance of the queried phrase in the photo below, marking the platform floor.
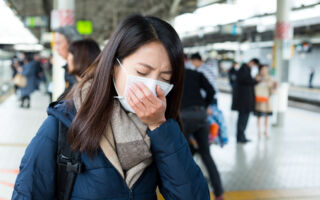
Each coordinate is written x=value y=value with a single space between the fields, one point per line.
x=287 y=166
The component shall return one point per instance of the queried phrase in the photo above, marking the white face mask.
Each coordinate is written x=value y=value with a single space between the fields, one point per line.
x=254 y=71
x=150 y=83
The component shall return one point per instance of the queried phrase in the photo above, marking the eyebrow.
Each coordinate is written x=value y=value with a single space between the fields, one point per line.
x=152 y=68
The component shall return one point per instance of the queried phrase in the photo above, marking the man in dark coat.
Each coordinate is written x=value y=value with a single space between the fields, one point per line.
x=232 y=74
x=244 y=98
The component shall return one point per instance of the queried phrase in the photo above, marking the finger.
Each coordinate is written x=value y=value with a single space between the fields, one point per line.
x=141 y=94
x=160 y=93
x=136 y=100
x=156 y=103
x=130 y=101
x=136 y=108
x=135 y=104
x=148 y=94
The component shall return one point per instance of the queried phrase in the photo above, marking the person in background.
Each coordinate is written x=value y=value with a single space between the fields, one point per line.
x=187 y=63
x=232 y=74
x=29 y=70
x=63 y=38
x=81 y=55
x=207 y=71
x=47 y=70
x=243 y=99
x=312 y=72
x=39 y=69
x=263 y=91
x=14 y=67
x=194 y=110
x=215 y=115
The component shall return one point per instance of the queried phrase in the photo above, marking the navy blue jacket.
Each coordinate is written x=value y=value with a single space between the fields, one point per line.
x=173 y=169
x=30 y=71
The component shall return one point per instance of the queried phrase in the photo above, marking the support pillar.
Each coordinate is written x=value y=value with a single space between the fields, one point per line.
x=62 y=15
x=282 y=55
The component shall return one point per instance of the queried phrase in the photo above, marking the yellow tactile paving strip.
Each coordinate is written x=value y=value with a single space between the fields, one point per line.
x=4 y=97
x=13 y=145
x=290 y=194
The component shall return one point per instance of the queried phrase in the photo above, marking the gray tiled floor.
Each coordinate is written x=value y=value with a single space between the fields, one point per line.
x=290 y=159
x=17 y=127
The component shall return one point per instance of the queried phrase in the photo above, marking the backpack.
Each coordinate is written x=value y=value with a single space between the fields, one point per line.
x=69 y=165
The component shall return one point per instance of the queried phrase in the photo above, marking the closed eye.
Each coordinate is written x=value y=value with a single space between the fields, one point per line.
x=142 y=73
x=165 y=80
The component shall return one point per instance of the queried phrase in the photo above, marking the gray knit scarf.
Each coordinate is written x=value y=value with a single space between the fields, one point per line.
x=126 y=144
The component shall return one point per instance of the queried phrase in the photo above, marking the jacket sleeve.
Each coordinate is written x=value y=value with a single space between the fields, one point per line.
x=207 y=88
x=244 y=77
x=36 y=179
x=27 y=69
x=180 y=176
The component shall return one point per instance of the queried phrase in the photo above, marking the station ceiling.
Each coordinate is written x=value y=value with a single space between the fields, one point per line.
x=105 y=15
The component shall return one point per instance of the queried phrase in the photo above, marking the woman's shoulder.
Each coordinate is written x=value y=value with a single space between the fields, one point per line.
x=63 y=110
x=49 y=129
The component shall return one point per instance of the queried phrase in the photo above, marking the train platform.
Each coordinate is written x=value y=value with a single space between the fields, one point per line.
x=284 y=167
x=299 y=94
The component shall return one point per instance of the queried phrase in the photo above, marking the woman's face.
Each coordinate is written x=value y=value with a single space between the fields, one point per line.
x=149 y=61
x=61 y=45
x=264 y=71
x=70 y=62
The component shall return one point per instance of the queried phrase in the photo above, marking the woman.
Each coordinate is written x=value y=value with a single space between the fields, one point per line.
x=81 y=55
x=263 y=92
x=122 y=122
x=29 y=70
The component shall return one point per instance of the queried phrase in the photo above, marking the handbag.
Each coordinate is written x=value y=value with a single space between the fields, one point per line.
x=20 y=80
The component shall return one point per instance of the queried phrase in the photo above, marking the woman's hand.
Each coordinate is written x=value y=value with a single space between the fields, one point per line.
x=209 y=111
x=20 y=69
x=258 y=78
x=149 y=108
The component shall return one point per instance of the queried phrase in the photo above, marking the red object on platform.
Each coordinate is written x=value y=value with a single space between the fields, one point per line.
x=214 y=131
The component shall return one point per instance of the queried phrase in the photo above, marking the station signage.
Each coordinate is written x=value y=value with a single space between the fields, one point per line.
x=84 y=27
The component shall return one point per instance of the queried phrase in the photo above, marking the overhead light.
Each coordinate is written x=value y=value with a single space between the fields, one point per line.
x=28 y=47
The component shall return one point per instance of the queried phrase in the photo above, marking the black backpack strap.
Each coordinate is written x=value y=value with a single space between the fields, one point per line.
x=68 y=165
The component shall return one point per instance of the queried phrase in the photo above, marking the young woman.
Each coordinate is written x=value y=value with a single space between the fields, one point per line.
x=123 y=118
x=263 y=92
x=81 y=55
x=29 y=70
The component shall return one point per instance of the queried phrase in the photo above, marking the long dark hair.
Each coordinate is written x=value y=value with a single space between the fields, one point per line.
x=133 y=32
x=84 y=53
